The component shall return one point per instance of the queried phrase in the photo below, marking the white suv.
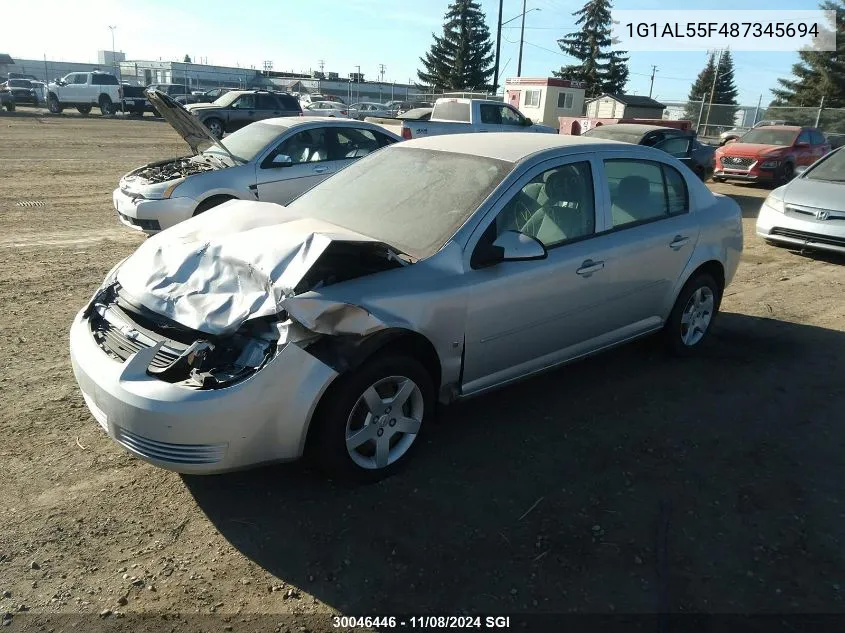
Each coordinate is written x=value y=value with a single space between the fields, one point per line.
x=83 y=91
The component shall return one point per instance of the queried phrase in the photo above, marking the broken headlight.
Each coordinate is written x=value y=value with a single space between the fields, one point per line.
x=214 y=365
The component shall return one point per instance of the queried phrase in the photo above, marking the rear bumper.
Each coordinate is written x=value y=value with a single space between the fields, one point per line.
x=803 y=232
x=151 y=216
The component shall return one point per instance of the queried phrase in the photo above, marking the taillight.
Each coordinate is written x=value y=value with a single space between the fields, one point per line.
x=406 y=133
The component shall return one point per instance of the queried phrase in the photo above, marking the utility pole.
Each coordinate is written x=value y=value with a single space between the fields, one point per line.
x=651 y=86
x=381 y=69
x=322 y=64
x=712 y=90
x=46 y=72
x=700 y=114
x=757 y=111
x=358 y=85
x=113 y=58
x=521 y=39
x=498 y=46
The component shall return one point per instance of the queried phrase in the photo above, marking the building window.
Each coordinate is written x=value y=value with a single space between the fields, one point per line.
x=532 y=99
x=564 y=100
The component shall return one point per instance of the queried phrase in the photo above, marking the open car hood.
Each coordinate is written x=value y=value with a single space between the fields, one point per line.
x=196 y=135
x=243 y=260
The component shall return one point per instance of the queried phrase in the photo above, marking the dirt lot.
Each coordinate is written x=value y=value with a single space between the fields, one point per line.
x=627 y=483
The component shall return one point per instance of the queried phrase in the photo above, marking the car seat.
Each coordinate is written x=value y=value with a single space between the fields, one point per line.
x=632 y=202
x=566 y=213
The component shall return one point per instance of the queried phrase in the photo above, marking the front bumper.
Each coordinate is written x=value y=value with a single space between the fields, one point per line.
x=151 y=216
x=801 y=230
x=753 y=174
x=261 y=420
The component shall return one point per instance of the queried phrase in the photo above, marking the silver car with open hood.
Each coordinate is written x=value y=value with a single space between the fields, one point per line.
x=429 y=271
x=273 y=160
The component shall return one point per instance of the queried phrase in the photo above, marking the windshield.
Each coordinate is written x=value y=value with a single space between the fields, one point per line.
x=227 y=99
x=831 y=169
x=247 y=143
x=19 y=83
x=412 y=199
x=768 y=136
x=607 y=132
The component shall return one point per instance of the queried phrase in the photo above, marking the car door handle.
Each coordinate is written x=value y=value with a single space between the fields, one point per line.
x=678 y=242
x=588 y=267
x=320 y=170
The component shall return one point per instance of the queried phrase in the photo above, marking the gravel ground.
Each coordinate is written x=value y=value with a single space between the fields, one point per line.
x=624 y=484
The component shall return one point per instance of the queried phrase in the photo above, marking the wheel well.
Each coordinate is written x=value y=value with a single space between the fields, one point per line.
x=715 y=270
x=345 y=353
x=212 y=201
x=103 y=96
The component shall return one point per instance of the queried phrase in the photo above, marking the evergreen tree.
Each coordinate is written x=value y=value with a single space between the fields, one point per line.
x=818 y=73
x=602 y=69
x=724 y=93
x=460 y=59
x=187 y=59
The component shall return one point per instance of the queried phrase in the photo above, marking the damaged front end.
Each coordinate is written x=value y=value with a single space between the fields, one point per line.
x=168 y=170
x=186 y=357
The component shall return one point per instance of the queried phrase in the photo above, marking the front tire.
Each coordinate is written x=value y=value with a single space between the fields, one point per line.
x=787 y=174
x=691 y=320
x=719 y=179
x=10 y=106
x=215 y=126
x=368 y=423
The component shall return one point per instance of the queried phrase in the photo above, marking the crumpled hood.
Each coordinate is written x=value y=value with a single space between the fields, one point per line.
x=235 y=262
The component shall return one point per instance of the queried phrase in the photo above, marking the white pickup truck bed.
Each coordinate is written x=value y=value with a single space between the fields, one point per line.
x=461 y=116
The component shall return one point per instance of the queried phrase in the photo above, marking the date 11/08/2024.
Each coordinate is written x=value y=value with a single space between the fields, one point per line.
x=435 y=622
x=725 y=29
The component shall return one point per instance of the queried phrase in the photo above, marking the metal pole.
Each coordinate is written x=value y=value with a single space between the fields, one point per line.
x=521 y=38
x=712 y=90
x=651 y=86
x=498 y=45
x=757 y=111
x=700 y=113
x=46 y=72
x=819 y=113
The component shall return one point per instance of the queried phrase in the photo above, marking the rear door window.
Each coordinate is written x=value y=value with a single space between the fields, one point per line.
x=642 y=191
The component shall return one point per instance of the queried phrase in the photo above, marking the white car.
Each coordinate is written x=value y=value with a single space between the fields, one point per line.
x=362 y=110
x=274 y=160
x=326 y=108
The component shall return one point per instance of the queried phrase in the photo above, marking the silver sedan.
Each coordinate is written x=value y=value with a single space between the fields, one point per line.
x=273 y=160
x=433 y=270
x=808 y=212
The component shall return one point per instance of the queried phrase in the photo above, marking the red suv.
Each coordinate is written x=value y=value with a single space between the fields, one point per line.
x=770 y=154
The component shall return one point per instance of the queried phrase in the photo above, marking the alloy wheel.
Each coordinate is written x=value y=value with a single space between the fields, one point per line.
x=697 y=315
x=384 y=422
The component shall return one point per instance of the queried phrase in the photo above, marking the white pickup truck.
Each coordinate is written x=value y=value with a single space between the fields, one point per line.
x=459 y=116
x=84 y=91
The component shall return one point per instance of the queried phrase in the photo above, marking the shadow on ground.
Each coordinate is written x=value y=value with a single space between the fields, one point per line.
x=548 y=496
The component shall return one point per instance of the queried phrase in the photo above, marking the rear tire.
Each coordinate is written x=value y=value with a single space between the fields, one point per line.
x=53 y=104
x=345 y=412
x=10 y=107
x=106 y=106
x=689 y=325
x=84 y=109
x=719 y=179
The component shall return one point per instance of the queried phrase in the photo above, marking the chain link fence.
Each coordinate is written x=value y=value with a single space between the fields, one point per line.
x=711 y=122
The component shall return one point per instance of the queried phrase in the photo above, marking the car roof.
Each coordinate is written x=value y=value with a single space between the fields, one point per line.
x=295 y=121
x=635 y=127
x=511 y=146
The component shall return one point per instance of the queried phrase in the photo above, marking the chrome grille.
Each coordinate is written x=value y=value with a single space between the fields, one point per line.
x=809 y=237
x=167 y=452
x=737 y=161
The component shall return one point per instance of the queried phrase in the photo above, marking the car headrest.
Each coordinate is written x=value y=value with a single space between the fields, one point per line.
x=633 y=188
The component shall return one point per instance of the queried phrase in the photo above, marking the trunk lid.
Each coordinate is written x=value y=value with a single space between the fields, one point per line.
x=196 y=135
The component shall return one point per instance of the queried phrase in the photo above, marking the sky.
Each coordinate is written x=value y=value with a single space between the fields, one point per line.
x=296 y=35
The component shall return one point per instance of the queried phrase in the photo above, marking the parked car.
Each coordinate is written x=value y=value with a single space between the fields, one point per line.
x=135 y=99
x=238 y=108
x=682 y=144
x=364 y=109
x=180 y=92
x=770 y=154
x=435 y=269
x=404 y=106
x=459 y=116
x=273 y=160
x=83 y=91
x=325 y=108
x=15 y=75
x=6 y=101
x=836 y=140
x=737 y=132
x=21 y=90
x=809 y=212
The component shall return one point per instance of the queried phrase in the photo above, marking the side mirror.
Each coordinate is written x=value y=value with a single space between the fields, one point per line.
x=517 y=247
x=282 y=160
x=527 y=122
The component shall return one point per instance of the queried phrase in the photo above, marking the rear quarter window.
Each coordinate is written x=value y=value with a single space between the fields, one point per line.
x=288 y=102
x=104 y=80
x=451 y=111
